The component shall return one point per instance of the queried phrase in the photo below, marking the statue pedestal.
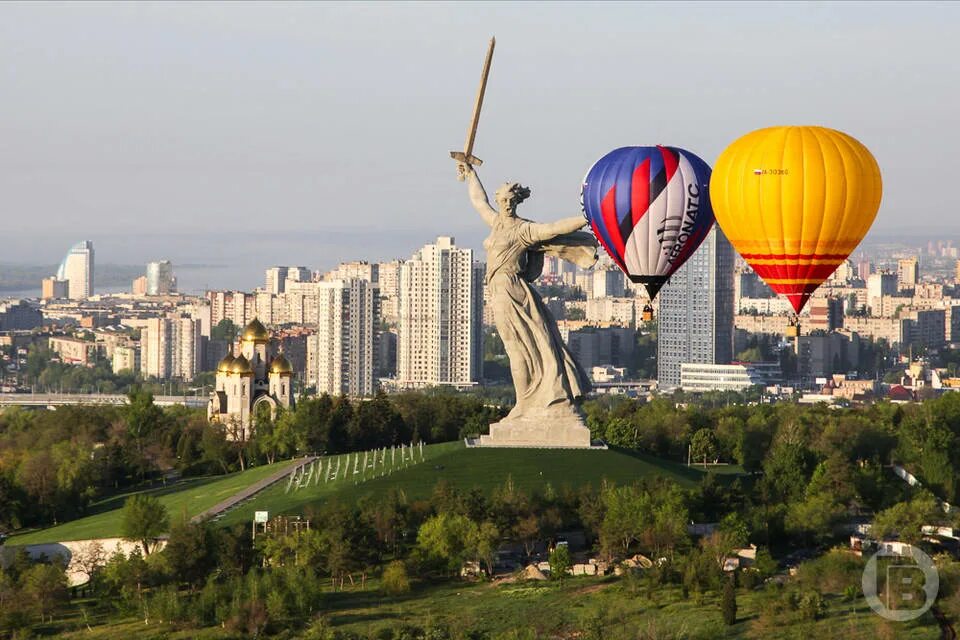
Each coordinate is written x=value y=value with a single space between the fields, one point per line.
x=549 y=429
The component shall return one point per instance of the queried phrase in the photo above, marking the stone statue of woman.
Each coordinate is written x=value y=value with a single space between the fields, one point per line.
x=548 y=381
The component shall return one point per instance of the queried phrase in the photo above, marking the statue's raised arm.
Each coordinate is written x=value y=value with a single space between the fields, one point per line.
x=478 y=196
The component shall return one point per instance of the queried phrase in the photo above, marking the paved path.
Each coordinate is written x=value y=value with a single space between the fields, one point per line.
x=252 y=490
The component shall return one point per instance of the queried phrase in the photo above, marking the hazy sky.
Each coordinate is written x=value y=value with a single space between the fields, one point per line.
x=122 y=120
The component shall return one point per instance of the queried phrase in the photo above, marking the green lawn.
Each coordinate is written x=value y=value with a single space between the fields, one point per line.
x=277 y=499
x=530 y=469
x=188 y=497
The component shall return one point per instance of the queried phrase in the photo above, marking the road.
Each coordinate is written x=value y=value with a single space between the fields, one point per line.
x=50 y=400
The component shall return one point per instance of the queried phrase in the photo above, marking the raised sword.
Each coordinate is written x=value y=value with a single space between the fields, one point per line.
x=466 y=156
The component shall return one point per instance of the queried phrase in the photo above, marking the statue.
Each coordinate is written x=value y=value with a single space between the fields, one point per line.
x=549 y=383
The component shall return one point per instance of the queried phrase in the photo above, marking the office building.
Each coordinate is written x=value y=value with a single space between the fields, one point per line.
x=728 y=377
x=77 y=269
x=441 y=307
x=52 y=289
x=346 y=339
x=696 y=311
x=160 y=278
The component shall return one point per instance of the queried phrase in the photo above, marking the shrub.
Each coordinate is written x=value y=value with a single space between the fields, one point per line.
x=395 y=580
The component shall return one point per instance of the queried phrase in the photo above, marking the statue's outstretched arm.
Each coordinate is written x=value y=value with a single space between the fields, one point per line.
x=478 y=197
x=549 y=231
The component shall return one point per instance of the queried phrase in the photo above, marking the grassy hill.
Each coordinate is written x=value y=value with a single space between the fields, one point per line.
x=530 y=469
x=188 y=497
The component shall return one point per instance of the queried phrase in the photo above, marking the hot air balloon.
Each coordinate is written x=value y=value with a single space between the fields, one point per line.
x=795 y=202
x=650 y=209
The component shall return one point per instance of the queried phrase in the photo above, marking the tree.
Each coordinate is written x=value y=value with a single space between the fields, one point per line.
x=395 y=580
x=37 y=475
x=559 y=562
x=224 y=330
x=728 y=602
x=143 y=419
x=143 y=519
x=626 y=511
x=191 y=551
x=45 y=585
x=484 y=543
x=703 y=445
x=446 y=538
x=906 y=518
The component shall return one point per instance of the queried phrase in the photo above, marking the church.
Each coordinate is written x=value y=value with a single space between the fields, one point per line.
x=245 y=382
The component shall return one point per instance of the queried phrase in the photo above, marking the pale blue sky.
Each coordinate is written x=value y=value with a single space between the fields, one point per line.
x=122 y=118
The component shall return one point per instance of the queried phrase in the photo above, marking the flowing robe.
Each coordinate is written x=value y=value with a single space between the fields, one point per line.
x=545 y=374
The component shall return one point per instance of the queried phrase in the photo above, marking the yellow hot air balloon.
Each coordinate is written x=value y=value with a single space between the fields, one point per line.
x=795 y=202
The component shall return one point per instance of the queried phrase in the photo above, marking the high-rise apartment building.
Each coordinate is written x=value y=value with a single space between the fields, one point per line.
x=160 y=279
x=346 y=337
x=170 y=348
x=908 y=273
x=441 y=307
x=880 y=285
x=359 y=269
x=388 y=277
x=77 y=269
x=696 y=311
x=277 y=278
x=155 y=338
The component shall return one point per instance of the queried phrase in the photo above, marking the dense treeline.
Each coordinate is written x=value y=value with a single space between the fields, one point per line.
x=290 y=583
x=54 y=464
x=810 y=473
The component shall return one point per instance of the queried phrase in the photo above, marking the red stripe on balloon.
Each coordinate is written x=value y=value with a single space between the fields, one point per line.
x=613 y=254
x=640 y=191
x=608 y=209
x=669 y=161
x=822 y=271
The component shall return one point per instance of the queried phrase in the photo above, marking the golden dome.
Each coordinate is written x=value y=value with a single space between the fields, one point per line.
x=224 y=365
x=241 y=365
x=256 y=332
x=280 y=364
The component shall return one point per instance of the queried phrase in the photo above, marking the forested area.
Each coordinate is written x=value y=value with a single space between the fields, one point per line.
x=810 y=473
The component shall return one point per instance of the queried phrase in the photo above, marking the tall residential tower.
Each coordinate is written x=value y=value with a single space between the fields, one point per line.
x=441 y=311
x=346 y=325
x=696 y=311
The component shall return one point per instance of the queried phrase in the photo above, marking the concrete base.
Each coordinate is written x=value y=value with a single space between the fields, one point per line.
x=552 y=429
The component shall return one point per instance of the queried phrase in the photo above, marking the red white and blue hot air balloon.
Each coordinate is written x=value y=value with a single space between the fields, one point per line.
x=650 y=209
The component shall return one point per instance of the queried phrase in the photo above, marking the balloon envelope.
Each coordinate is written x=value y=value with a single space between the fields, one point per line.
x=650 y=209
x=795 y=202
